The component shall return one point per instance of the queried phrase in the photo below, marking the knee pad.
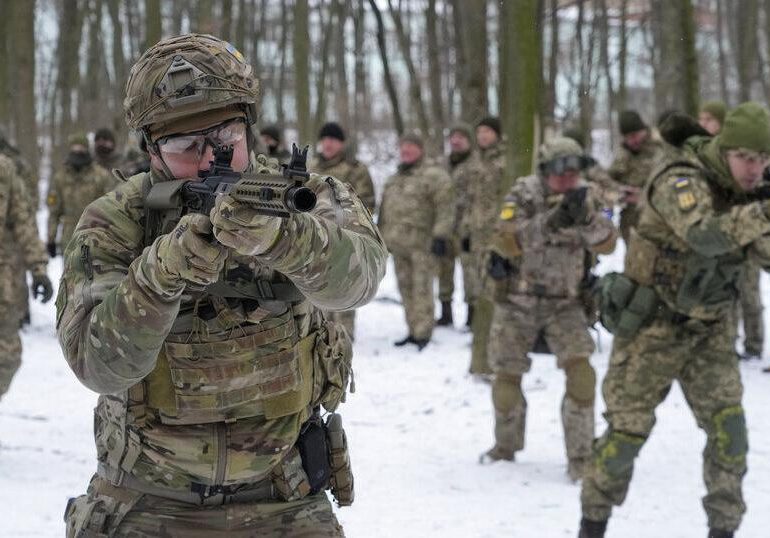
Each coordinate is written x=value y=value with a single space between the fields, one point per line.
x=506 y=393
x=581 y=381
x=731 y=441
x=615 y=452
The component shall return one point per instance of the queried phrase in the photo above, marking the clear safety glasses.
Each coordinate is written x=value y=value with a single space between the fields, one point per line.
x=193 y=145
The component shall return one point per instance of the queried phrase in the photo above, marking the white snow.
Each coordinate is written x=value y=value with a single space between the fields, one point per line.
x=416 y=425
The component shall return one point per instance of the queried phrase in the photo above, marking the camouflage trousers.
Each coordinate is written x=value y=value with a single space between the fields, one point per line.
x=471 y=276
x=347 y=319
x=108 y=511
x=515 y=327
x=642 y=369
x=10 y=350
x=751 y=309
x=446 y=277
x=415 y=273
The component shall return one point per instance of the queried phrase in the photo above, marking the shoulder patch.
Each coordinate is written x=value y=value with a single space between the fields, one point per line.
x=684 y=195
x=508 y=211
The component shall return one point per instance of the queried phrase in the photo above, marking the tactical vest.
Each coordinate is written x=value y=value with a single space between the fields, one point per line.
x=235 y=349
x=687 y=282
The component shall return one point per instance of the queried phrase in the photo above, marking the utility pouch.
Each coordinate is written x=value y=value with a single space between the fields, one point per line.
x=625 y=306
x=314 y=453
x=341 y=481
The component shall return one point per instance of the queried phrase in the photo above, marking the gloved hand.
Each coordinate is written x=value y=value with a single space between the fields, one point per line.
x=465 y=244
x=51 y=247
x=242 y=229
x=499 y=268
x=41 y=287
x=572 y=211
x=439 y=247
x=187 y=253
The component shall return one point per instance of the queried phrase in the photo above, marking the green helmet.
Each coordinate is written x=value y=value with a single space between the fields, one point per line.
x=185 y=76
x=560 y=146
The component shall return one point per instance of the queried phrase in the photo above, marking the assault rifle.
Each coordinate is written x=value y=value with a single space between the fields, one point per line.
x=277 y=195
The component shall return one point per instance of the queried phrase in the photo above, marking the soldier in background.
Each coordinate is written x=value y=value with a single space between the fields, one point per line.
x=19 y=225
x=633 y=164
x=466 y=170
x=712 y=116
x=416 y=218
x=15 y=256
x=78 y=183
x=271 y=137
x=105 y=153
x=333 y=160
x=487 y=194
x=547 y=222
x=671 y=313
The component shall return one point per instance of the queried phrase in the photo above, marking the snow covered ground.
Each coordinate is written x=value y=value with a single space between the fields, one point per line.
x=417 y=425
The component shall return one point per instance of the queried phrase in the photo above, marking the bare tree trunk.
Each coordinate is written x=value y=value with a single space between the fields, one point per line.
x=5 y=58
x=553 y=65
x=622 y=55
x=471 y=25
x=95 y=86
x=725 y=94
x=302 y=71
x=398 y=121
x=415 y=91
x=605 y=61
x=677 y=61
x=205 y=22
x=746 y=46
x=285 y=29
x=23 y=97
x=341 y=9
x=240 y=26
x=227 y=20
x=359 y=99
x=321 y=80
x=153 y=23
x=134 y=32
x=767 y=40
x=68 y=45
x=118 y=62
x=434 y=75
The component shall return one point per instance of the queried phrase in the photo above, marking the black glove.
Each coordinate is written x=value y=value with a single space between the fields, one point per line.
x=572 y=210
x=42 y=288
x=465 y=244
x=499 y=268
x=51 y=249
x=439 y=247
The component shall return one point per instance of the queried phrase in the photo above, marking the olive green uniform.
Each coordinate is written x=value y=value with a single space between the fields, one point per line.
x=416 y=208
x=542 y=293
x=695 y=232
x=355 y=174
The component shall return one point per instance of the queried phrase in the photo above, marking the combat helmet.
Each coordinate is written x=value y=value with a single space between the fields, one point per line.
x=562 y=153
x=188 y=77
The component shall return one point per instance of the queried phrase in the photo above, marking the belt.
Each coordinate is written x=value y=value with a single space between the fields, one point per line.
x=201 y=494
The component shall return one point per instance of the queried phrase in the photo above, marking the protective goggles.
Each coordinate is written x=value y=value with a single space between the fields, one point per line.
x=561 y=165
x=194 y=144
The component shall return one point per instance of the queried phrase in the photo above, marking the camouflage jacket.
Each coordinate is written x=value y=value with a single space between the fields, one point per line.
x=417 y=206
x=548 y=262
x=487 y=194
x=24 y=171
x=634 y=168
x=202 y=386
x=69 y=194
x=465 y=174
x=19 y=225
x=348 y=171
x=696 y=230
x=111 y=161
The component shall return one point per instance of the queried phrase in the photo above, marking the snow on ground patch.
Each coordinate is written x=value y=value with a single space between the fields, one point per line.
x=417 y=425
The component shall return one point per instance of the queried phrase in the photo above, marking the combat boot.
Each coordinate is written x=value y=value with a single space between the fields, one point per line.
x=420 y=343
x=716 y=533
x=446 y=319
x=404 y=341
x=592 y=529
x=749 y=356
x=497 y=453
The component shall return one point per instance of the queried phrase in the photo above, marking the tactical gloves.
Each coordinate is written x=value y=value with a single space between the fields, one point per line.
x=499 y=268
x=573 y=210
x=41 y=287
x=243 y=229
x=439 y=247
x=187 y=254
x=51 y=247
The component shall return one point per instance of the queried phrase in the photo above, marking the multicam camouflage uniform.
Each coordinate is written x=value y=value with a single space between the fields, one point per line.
x=17 y=220
x=634 y=168
x=355 y=174
x=466 y=172
x=416 y=207
x=204 y=390
x=486 y=195
x=695 y=232
x=542 y=293
x=68 y=195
